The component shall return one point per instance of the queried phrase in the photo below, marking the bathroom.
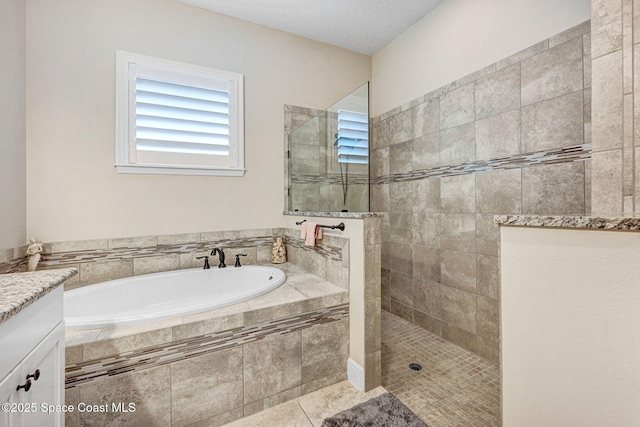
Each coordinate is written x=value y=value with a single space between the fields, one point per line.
x=439 y=252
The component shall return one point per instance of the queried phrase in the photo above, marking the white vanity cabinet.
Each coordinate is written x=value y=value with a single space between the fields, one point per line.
x=32 y=357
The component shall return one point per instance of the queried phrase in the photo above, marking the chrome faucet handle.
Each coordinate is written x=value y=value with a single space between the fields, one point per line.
x=238 y=259
x=206 y=262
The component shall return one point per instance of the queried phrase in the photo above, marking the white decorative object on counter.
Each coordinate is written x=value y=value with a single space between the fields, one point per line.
x=278 y=252
x=33 y=250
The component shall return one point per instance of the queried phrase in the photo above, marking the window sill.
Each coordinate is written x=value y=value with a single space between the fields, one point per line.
x=177 y=170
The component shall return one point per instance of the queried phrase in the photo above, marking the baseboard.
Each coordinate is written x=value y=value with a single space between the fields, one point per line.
x=355 y=374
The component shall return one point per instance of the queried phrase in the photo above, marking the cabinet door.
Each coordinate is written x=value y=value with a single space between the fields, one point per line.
x=47 y=360
x=9 y=395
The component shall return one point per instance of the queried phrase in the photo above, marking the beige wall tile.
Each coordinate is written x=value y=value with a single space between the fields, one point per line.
x=606 y=182
x=400 y=196
x=400 y=157
x=458 y=145
x=488 y=318
x=401 y=310
x=426 y=229
x=401 y=287
x=426 y=118
x=553 y=189
x=427 y=322
x=205 y=386
x=272 y=365
x=556 y=72
x=177 y=239
x=487 y=235
x=426 y=263
x=380 y=162
x=458 y=270
x=426 y=152
x=499 y=192
x=325 y=349
x=427 y=298
x=606 y=102
x=400 y=258
x=105 y=348
x=156 y=264
x=427 y=195
x=554 y=123
x=498 y=92
x=400 y=127
x=458 y=232
x=457 y=107
x=488 y=276
x=134 y=242
x=149 y=390
x=95 y=272
x=459 y=336
x=498 y=135
x=458 y=193
x=208 y=326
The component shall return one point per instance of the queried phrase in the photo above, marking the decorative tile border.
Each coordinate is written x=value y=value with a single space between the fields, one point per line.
x=572 y=153
x=74 y=257
x=323 y=179
x=154 y=356
x=14 y=266
x=101 y=255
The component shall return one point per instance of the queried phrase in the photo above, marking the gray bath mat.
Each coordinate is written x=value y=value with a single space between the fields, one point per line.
x=385 y=410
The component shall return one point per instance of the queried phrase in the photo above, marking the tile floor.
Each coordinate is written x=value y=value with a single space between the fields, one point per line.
x=454 y=388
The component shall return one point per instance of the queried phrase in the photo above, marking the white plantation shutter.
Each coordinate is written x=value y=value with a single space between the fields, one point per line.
x=353 y=137
x=187 y=118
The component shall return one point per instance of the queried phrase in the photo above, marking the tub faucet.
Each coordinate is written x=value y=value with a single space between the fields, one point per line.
x=238 y=260
x=220 y=257
x=206 y=262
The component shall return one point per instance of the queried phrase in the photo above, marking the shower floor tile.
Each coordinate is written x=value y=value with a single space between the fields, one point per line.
x=454 y=388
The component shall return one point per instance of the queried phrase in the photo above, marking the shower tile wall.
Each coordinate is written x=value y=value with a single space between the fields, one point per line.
x=314 y=187
x=513 y=137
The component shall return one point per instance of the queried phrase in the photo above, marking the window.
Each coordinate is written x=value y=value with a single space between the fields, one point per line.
x=176 y=118
x=353 y=137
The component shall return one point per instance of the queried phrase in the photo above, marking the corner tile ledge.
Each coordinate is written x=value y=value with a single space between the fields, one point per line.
x=335 y=214
x=18 y=290
x=601 y=223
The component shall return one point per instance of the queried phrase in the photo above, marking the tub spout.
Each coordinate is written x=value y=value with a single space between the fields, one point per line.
x=220 y=253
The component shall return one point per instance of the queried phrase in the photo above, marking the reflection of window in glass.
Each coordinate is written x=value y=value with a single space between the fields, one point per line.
x=178 y=118
x=349 y=146
x=353 y=137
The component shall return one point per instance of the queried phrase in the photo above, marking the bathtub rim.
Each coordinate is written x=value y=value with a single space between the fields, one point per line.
x=122 y=321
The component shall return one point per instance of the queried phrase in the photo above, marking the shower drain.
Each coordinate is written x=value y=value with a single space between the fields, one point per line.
x=415 y=366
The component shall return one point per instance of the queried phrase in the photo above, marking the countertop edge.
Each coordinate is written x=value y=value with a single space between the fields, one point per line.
x=578 y=222
x=19 y=290
x=356 y=215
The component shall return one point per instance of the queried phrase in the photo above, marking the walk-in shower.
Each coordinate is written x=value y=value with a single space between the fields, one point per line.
x=328 y=158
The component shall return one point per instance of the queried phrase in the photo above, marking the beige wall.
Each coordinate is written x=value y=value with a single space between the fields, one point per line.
x=570 y=324
x=12 y=124
x=460 y=37
x=75 y=193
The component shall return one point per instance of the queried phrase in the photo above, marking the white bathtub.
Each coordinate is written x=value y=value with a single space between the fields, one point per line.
x=163 y=295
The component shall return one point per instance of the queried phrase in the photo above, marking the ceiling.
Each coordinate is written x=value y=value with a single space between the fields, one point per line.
x=364 y=26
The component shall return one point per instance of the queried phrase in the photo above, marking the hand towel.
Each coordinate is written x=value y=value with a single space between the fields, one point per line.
x=309 y=233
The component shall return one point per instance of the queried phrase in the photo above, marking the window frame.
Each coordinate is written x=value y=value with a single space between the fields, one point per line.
x=125 y=117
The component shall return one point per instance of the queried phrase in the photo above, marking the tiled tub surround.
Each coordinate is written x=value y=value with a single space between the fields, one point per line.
x=217 y=366
x=512 y=138
x=108 y=259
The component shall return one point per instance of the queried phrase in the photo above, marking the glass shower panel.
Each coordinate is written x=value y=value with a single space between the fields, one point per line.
x=329 y=158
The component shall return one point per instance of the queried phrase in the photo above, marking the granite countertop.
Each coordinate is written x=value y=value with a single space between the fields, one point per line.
x=335 y=214
x=592 y=222
x=18 y=290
